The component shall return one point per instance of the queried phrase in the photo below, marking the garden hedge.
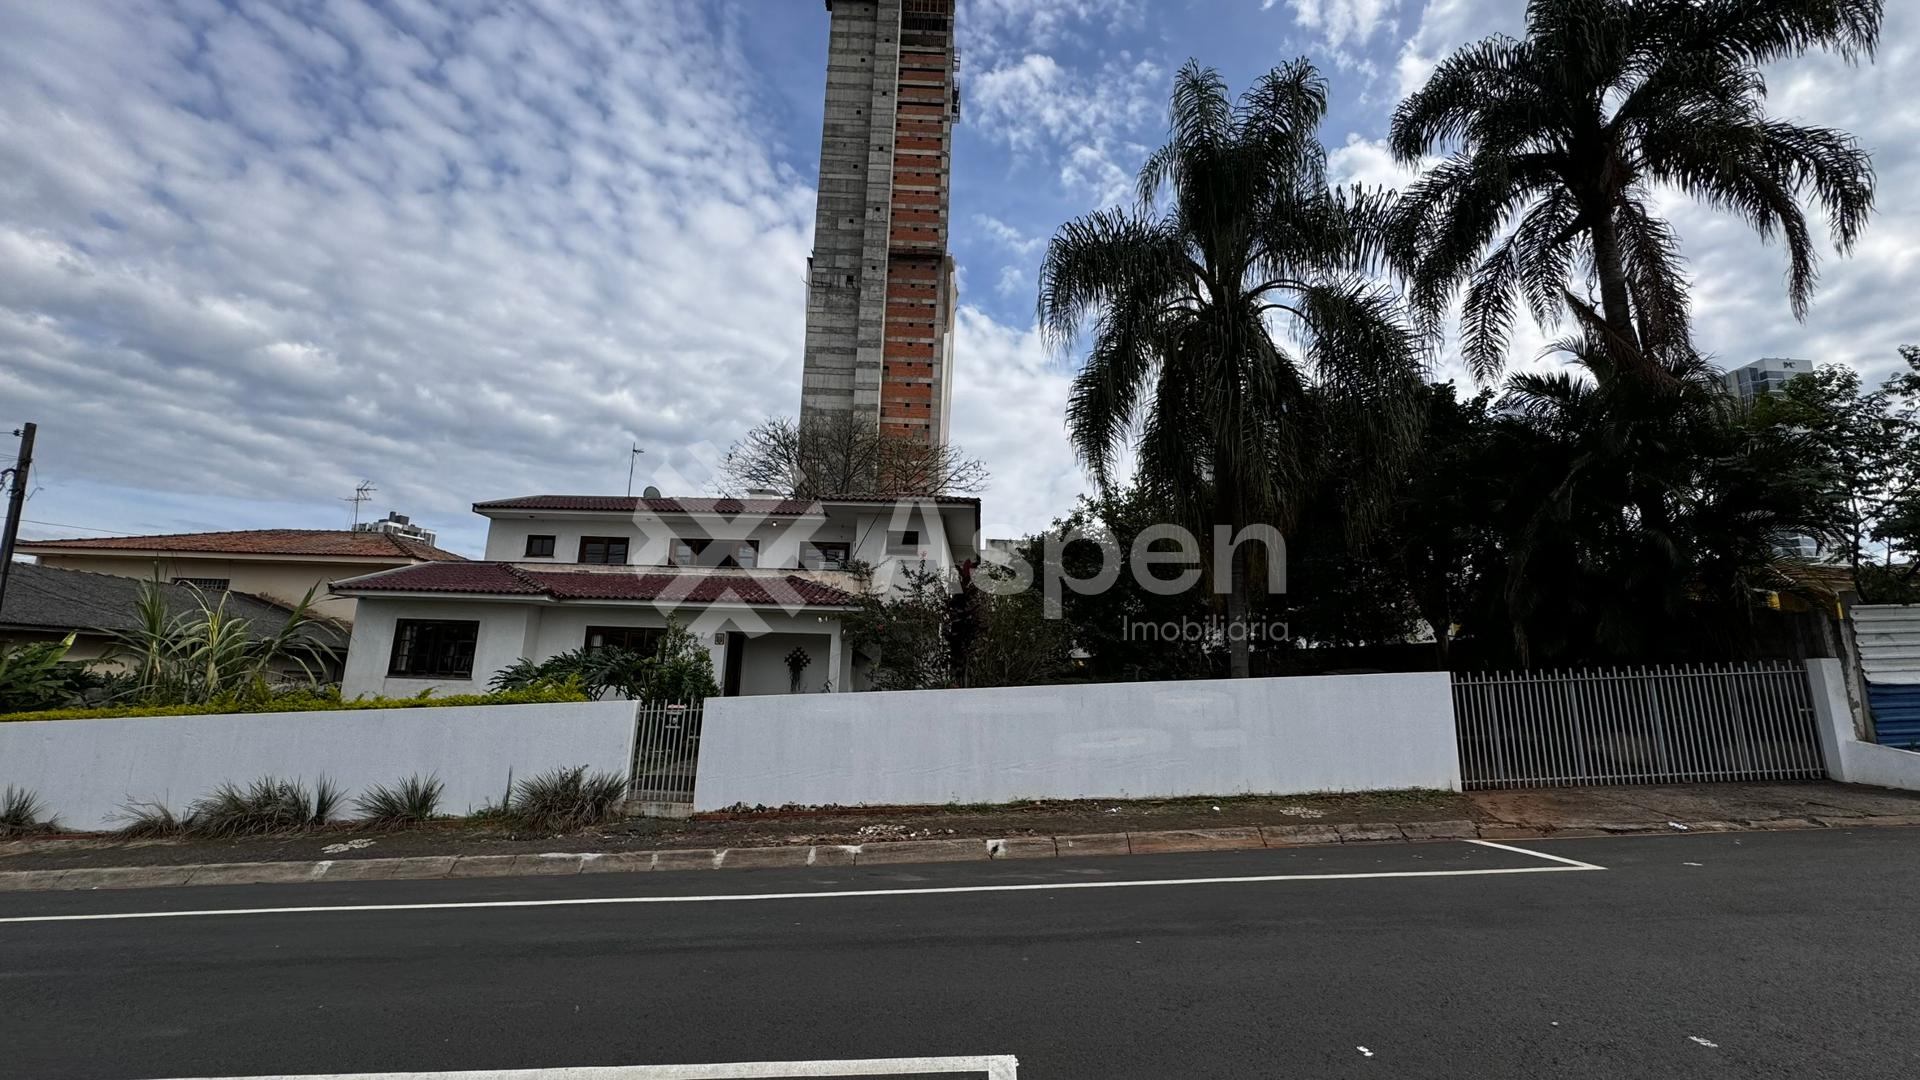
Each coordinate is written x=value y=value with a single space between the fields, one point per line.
x=308 y=703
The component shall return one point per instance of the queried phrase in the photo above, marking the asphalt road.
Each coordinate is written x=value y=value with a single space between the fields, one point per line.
x=1761 y=954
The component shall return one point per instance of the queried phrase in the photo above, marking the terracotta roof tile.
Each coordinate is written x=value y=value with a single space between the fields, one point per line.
x=322 y=542
x=488 y=578
x=628 y=504
x=625 y=504
x=506 y=579
x=695 y=588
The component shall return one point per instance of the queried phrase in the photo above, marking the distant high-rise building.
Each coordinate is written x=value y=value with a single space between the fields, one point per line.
x=880 y=291
x=1766 y=375
x=398 y=525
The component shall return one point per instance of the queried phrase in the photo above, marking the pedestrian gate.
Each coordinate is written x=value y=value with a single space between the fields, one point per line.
x=1636 y=725
x=666 y=753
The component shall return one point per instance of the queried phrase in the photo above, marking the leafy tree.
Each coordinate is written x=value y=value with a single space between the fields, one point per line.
x=934 y=631
x=840 y=454
x=1870 y=444
x=902 y=631
x=1235 y=226
x=1422 y=563
x=1558 y=140
x=1636 y=521
x=681 y=670
x=1120 y=631
x=1009 y=641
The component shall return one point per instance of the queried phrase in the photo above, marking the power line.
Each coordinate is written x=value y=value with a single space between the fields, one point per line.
x=67 y=525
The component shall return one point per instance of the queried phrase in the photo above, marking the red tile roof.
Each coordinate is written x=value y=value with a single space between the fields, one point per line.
x=313 y=542
x=506 y=579
x=628 y=504
x=487 y=578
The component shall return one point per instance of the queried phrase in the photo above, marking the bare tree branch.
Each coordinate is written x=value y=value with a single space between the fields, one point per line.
x=845 y=455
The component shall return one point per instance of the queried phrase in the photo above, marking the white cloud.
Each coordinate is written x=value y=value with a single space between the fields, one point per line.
x=1446 y=25
x=1007 y=236
x=1079 y=123
x=1011 y=414
x=1033 y=101
x=1341 y=21
x=242 y=257
x=990 y=28
x=1368 y=162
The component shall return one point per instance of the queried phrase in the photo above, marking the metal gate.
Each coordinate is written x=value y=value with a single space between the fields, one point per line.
x=666 y=753
x=1636 y=725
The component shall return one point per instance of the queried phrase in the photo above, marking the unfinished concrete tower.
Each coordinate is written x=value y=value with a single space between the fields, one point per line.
x=880 y=292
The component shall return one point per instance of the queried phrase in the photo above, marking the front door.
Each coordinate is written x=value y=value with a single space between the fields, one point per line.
x=736 y=654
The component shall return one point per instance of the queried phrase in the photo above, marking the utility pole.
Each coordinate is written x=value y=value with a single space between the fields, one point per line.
x=16 y=500
x=631 y=459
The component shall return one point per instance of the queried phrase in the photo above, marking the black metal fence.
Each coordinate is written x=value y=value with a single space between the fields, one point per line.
x=1636 y=725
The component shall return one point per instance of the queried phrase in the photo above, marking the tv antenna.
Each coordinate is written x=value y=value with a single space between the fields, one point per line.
x=361 y=494
x=632 y=458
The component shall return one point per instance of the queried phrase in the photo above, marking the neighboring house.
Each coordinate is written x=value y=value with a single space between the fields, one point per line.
x=45 y=603
x=280 y=564
x=763 y=582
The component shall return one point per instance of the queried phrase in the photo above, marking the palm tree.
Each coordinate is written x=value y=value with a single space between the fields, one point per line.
x=1641 y=520
x=1559 y=139
x=1236 y=234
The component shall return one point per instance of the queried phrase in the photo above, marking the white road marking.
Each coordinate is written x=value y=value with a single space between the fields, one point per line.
x=1575 y=863
x=995 y=1066
x=719 y=898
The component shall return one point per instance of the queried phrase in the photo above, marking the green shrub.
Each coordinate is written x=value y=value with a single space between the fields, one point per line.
x=38 y=675
x=566 y=799
x=20 y=811
x=267 y=805
x=679 y=671
x=205 y=655
x=410 y=802
x=312 y=700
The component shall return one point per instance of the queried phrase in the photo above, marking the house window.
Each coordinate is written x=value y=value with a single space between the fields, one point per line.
x=205 y=584
x=605 y=550
x=739 y=554
x=821 y=555
x=640 y=639
x=433 y=648
x=539 y=547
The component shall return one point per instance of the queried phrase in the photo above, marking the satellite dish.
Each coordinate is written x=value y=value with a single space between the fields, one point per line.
x=649 y=492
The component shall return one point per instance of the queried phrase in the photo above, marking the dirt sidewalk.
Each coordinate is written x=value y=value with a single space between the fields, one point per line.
x=1490 y=813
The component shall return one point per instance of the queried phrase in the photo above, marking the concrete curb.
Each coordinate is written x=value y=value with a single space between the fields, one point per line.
x=420 y=868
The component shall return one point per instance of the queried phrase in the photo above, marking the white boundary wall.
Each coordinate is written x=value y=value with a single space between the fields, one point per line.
x=1849 y=759
x=1105 y=740
x=84 y=770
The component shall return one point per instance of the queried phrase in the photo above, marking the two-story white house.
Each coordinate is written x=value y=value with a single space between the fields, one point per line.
x=762 y=581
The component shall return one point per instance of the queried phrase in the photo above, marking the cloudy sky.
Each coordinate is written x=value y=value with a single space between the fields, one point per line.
x=252 y=254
